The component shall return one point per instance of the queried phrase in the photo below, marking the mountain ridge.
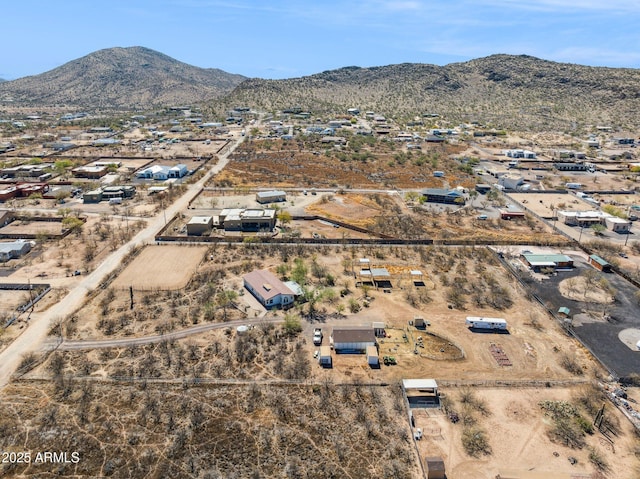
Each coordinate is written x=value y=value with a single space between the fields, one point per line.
x=501 y=90
x=131 y=77
x=504 y=89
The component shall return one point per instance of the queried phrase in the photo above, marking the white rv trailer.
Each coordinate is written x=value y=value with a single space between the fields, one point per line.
x=486 y=323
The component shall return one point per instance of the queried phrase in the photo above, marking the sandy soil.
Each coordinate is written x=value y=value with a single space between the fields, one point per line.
x=578 y=289
x=32 y=227
x=541 y=203
x=161 y=267
x=359 y=209
x=517 y=435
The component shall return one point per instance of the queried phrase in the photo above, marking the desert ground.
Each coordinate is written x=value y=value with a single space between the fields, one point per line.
x=161 y=268
x=190 y=376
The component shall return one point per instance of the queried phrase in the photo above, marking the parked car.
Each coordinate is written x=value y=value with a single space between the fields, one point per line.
x=317 y=336
x=482 y=217
x=417 y=434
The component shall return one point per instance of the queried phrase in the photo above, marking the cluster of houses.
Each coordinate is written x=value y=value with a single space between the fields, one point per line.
x=22 y=190
x=163 y=172
x=39 y=172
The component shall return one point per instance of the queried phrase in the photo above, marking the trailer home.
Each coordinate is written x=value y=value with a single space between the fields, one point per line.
x=475 y=322
x=324 y=357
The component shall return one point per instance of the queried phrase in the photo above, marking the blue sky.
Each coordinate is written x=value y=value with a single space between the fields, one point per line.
x=288 y=38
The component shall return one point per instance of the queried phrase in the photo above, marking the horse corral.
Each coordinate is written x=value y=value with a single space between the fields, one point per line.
x=161 y=268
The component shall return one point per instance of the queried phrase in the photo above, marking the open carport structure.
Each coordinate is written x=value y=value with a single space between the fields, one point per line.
x=380 y=277
x=421 y=393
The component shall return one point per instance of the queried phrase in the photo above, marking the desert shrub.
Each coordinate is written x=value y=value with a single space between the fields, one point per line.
x=475 y=442
x=354 y=306
x=468 y=396
x=27 y=363
x=571 y=365
x=292 y=324
x=568 y=433
x=597 y=459
x=584 y=424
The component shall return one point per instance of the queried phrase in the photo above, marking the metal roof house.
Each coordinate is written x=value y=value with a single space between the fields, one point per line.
x=14 y=249
x=599 y=263
x=268 y=289
x=352 y=339
x=537 y=261
x=439 y=195
x=163 y=172
x=270 y=196
x=148 y=173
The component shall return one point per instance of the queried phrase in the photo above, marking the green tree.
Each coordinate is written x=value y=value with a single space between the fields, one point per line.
x=292 y=324
x=598 y=229
x=299 y=271
x=61 y=166
x=73 y=223
x=284 y=217
x=225 y=299
x=282 y=270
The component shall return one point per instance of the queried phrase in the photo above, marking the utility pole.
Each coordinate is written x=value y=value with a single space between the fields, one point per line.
x=628 y=233
x=581 y=230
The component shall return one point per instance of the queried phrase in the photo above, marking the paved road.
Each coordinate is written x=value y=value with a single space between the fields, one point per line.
x=34 y=336
x=183 y=333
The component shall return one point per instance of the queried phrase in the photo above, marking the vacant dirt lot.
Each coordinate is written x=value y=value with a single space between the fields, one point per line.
x=25 y=227
x=310 y=163
x=520 y=434
x=542 y=203
x=161 y=267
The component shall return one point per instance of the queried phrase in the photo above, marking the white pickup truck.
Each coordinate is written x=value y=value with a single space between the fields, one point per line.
x=317 y=336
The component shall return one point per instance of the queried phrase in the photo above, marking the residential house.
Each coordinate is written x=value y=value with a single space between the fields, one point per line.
x=14 y=249
x=350 y=339
x=268 y=289
x=438 y=195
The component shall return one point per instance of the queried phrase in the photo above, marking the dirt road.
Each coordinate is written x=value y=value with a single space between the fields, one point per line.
x=35 y=334
x=183 y=333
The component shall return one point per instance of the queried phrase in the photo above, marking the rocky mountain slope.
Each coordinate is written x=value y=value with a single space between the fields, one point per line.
x=499 y=89
x=134 y=77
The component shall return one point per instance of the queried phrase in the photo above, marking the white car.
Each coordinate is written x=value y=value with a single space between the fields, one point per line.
x=417 y=434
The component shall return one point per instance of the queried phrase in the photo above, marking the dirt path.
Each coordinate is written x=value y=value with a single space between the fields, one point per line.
x=183 y=333
x=35 y=334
